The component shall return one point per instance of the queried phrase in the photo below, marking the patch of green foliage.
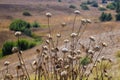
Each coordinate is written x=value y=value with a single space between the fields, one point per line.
x=84 y=7
x=21 y=25
x=105 y=17
x=118 y=54
x=102 y=9
x=24 y=44
x=85 y=61
x=117 y=17
x=35 y=25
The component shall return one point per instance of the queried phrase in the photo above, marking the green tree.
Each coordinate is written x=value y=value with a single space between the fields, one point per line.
x=118 y=17
x=118 y=7
x=108 y=17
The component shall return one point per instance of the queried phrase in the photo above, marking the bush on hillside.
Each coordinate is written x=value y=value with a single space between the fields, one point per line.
x=35 y=24
x=26 y=13
x=105 y=17
x=84 y=7
x=94 y=4
x=19 y=25
x=118 y=17
x=7 y=48
x=102 y=9
x=72 y=6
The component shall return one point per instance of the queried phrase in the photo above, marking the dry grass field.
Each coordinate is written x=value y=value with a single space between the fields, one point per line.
x=13 y=9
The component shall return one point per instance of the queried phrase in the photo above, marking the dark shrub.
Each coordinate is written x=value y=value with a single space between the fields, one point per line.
x=27 y=32
x=102 y=9
x=94 y=4
x=118 y=17
x=7 y=48
x=26 y=13
x=72 y=6
x=19 y=25
x=35 y=24
x=105 y=17
x=25 y=44
x=85 y=61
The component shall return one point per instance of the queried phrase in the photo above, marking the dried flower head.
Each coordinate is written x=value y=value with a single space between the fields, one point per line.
x=67 y=66
x=63 y=73
x=64 y=50
x=83 y=21
x=37 y=50
x=18 y=33
x=48 y=14
x=45 y=47
x=58 y=35
x=103 y=58
x=6 y=63
x=18 y=67
x=60 y=59
x=14 y=49
x=92 y=38
x=47 y=41
x=90 y=51
x=88 y=21
x=97 y=48
x=73 y=35
x=49 y=36
x=66 y=41
x=69 y=56
x=79 y=51
x=104 y=44
x=63 y=24
x=77 y=12
x=34 y=63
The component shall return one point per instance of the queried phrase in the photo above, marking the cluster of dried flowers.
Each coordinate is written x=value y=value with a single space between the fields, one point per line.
x=74 y=61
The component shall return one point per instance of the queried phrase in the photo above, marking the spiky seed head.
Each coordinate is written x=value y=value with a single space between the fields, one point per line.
x=34 y=63
x=67 y=66
x=47 y=41
x=97 y=48
x=45 y=52
x=65 y=50
x=48 y=14
x=88 y=21
x=99 y=60
x=46 y=57
x=83 y=21
x=90 y=51
x=104 y=44
x=63 y=73
x=69 y=56
x=79 y=51
x=77 y=12
x=103 y=58
x=18 y=67
x=110 y=60
x=73 y=35
x=49 y=36
x=45 y=47
x=15 y=49
x=63 y=24
x=66 y=41
x=58 y=35
x=18 y=33
x=78 y=56
x=37 y=50
x=106 y=74
x=6 y=63
x=53 y=49
x=60 y=59
x=92 y=38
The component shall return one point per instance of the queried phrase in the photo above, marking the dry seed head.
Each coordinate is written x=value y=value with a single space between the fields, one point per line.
x=73 y=35
x=104 y=44
x=37 y=50
x=88 y=21
x=110 y=60
x=46 y=57
x=97 y=48
x=45 y=47
x=6 y=63
x=49 y=36
x=47 y=41
x=99 y=60
x=34 y=63
x=63 y=24
x=48 y=14
x=67 y=66
x=58 y=35
x=18 y=67
x=79 y=51
x=77 y=12
x=92 y=38
x=103 y=58
x=14 y=49
x=60 y=59
x=63 y=73
x=69 y=56
x=64 y=50
x=90 y=51
x=106 y=74
x=18 y=33
x=83 y=21
x=66 y=41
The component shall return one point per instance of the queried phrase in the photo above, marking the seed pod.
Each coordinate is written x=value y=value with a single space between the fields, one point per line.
x=48 y=14
x=73 y=35
x=18 y=33
x=77 y=12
